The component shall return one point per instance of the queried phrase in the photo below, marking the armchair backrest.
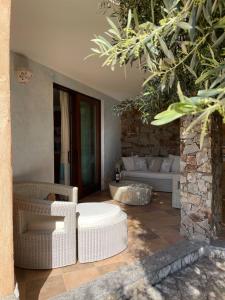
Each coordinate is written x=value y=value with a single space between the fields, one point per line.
x=31 y=210
x=40 y=190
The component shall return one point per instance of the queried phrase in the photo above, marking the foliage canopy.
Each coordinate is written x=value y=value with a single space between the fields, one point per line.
x=180 y=45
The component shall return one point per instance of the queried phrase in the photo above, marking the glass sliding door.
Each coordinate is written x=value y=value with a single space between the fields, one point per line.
x=77 y=127
x=89 y=144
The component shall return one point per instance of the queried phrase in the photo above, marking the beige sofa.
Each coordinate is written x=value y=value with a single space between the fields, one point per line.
x=159 y=172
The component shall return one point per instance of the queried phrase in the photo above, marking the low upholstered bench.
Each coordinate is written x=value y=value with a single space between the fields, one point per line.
x=102 y=231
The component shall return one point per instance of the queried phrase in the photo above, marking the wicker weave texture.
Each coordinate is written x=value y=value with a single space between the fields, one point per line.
x=44 y=249
x=103 y=240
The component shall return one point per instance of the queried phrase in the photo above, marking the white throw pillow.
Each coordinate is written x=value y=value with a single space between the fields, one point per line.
x=155 y=164
x=148 y=160
x=176 y=163
x=128 y=163
x=166 y=165
x=140 y=163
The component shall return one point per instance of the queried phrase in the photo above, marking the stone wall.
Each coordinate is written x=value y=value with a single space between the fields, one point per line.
x=201 y=170
x=144 y=139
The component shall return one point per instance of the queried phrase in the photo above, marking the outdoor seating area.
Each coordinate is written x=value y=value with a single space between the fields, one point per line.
x=112 y=155
x=151 y=228
x=45 y=230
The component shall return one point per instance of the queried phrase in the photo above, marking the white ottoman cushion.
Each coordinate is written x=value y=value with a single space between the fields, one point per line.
x=102 y=231
x=95 y=214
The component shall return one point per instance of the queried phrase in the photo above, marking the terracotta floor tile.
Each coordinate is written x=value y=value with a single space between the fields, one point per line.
x=77 y=278
x=24 y=275
x=110 y=267
x=78 y=266
x=43 y=289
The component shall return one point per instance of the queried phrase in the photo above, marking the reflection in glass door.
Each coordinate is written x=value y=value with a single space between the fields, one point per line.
x=77 y=126
x=88 y=143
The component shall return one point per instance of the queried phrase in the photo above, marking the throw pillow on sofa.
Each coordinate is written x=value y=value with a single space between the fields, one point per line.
x=140 y=163
x=176 y=163
x=166 y=165
x=155 y=164
x=128 y=163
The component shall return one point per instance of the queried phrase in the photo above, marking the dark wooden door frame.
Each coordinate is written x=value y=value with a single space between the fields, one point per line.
x=75 y=126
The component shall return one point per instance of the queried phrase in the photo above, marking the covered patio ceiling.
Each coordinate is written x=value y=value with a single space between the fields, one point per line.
x=57 y=34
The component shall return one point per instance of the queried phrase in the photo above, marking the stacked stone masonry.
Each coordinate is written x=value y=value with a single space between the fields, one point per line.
x=201 y=174
x=145 y=139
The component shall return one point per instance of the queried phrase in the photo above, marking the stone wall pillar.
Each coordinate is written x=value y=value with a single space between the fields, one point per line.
x=201 y=191
x=6 y=227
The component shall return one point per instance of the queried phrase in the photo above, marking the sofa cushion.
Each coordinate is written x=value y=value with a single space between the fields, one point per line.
x=166 y=165
x=140 y=163
x=176 y=163
x=155 y=164
x=128 y=163
x=148 y=160
x=147 y=174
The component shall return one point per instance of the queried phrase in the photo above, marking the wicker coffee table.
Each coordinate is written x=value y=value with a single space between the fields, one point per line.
x=131 y=192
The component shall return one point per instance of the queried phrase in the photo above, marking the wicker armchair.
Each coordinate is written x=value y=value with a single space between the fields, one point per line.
x=44 y=231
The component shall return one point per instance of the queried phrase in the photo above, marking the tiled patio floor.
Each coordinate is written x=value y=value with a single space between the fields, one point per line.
x=151 y=228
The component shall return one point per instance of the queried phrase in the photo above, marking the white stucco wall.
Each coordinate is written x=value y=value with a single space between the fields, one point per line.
x=32 y=123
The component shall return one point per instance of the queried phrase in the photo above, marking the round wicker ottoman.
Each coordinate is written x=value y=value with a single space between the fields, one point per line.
x=102 y=231
x=131 y=192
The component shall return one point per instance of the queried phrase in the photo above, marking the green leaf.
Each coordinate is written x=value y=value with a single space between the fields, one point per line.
x=152 y=10
x=113 y=26
x=180 y=93
x=207 y=15
x=191 y=71
x=209 y=93
x=136 y=19
x=184 y=25
x=199 y=11
x=219 y=41
x=196 y=121
x=193 y=61
x=192 y=22
x=182 y=108
x=217 y=81
x=129 y=18
x=220 y=23
x=202 y=77
x=165 y=49
x=171 y=79
x=166 y=117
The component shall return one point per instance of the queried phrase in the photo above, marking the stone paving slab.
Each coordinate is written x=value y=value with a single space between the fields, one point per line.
x=144 y=273
x=204 y=280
